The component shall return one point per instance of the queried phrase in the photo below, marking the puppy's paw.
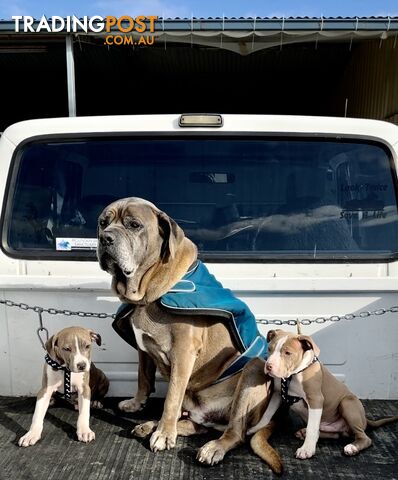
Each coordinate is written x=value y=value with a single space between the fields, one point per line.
x=85 y=435
x=132 y=405
x=211 y=453
x=162 y=440
x=96 y=404
x=305 y=452
x=29 y=439
x=351 y=450
x=144 y=429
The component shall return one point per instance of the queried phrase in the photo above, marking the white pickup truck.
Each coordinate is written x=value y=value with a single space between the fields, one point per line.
x=297 y=215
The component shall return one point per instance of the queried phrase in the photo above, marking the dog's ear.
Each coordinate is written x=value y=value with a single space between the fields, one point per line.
x=49 y=345
x=172 y=236
x=95 y=337
x=270 y=335
x=308 y=344
x=52 y=346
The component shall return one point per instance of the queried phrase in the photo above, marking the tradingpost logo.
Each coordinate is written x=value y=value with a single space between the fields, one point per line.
x=124 y=30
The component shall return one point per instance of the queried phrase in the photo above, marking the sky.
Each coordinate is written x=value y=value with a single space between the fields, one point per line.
x=199 y=8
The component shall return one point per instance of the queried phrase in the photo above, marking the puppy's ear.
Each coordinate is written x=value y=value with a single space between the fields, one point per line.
x=270 y=335
x=308 y=344
x=172 y=236
x=95 y=337
x=52 y=346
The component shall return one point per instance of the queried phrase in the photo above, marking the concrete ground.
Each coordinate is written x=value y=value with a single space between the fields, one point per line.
x=116 y=455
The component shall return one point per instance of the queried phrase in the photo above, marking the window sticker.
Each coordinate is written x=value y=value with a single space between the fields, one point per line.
x=69 y=244
x=364 y=187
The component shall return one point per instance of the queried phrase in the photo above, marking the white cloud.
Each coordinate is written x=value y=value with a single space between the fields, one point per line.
x=139 y=7
x=384 y=13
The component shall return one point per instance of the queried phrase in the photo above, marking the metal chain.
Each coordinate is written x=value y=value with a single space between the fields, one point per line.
x=261 y=321
x=55 y=311
x=42 y=332
x=332 y=318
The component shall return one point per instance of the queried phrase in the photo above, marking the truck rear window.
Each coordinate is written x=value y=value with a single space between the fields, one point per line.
x=240 y=198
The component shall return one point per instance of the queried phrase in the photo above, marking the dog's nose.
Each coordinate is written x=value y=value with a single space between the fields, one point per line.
x=107 y=239
x=268 y=367
x=81 y=366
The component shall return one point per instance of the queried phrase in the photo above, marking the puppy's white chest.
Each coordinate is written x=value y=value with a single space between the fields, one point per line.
x=76 y=380
x=56 y=380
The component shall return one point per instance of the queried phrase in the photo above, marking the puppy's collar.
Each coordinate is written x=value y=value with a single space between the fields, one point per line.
x=285 y=382
x=314 y=360
x=57 y=366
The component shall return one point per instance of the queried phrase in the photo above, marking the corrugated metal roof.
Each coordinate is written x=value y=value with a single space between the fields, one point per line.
x=243 y=35
x=265 y=18
x=279 y=18
x=261 y=23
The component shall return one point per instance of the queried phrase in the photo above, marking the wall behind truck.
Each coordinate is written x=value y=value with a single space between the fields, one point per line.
x=32 y=80
x=300 y=79
x=370 y=81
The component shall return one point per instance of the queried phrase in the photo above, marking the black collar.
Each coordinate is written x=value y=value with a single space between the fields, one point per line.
x=57 y=366
x=285 y=382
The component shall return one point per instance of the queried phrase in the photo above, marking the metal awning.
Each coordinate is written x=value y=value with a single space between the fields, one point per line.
x=247 y=35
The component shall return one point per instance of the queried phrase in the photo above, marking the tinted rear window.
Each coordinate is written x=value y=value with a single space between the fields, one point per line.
x=248 y=198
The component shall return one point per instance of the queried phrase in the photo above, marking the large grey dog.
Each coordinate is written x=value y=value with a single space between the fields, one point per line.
x=147 y=253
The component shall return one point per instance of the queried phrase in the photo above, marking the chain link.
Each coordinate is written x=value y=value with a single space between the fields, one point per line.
x=55 y=311
x=332 y=318
x=42 y=331
x=261 y=321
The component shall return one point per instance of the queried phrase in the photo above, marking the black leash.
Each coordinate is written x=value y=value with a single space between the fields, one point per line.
x=286 y=398
x=285 y=382
x=56 y=366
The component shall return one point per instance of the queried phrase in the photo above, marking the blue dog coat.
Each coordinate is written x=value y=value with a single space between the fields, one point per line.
x=199 y=293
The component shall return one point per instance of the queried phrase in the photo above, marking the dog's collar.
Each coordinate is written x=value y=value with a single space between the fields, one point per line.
x=314 y=360
x=285 y=382
x=57 y=366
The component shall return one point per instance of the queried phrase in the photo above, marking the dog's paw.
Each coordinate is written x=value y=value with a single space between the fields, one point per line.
x=351 y=450
x=131 y=405
x=211 y=453
x=85 y=435
x=29 y=439
x=305 y=452
x=301 y=433
x=144 y=429
x=96 y=404
x=162 y=440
